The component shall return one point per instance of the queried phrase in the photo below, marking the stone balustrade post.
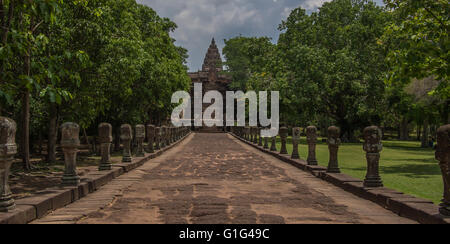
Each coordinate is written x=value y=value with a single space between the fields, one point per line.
x=126 y=136
x=105 y=139
x=311 y=138
x=273 y=147
x=174 y=134
x=255 y=135
x=443 y=156
x=169 y=136
x=8 y=149
x=296 y=133
x=150 y=138
x=140 y=137
x=158 y=138
x=252 y=134
x=70 y=142
x=163 y=136
x=373 y=147
x=260 y=141
x=334 y=141
x=247 y=134
x=284 y=135
x=266 y=142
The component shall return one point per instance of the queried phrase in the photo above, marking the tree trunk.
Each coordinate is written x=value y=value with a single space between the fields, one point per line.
x=404 y=132
x=425 y=134
x=41 y=142
x=25 y=140
x=446 y=114
x=348 y=133
x=117 y=140
x=419 y=132
x=86 y=140
x=52 y=135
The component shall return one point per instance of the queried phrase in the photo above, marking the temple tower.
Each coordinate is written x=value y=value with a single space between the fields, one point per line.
x=211 y=77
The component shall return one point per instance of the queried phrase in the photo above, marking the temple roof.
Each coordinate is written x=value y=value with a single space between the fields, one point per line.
x=213 y=61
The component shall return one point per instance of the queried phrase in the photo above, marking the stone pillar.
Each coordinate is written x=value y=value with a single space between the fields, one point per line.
x=373 y=147
x=150 y=138
x=8 y=149
x=334 y=141
x=311 y=138
x=126 y=135
x=295 y=142
x=163 y=137
x=266 y=142
x=260 y=141
x=140 y=137
x=273 y=147
x=70 y=142
x=174 y=135
x=284 y=136
x=166 y=136
x=443 y=156
x=158 y=138
x=105 y=139
x=169 y=135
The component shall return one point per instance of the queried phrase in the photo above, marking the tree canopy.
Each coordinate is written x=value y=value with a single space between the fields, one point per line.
x=88 y=62
x=350 y=62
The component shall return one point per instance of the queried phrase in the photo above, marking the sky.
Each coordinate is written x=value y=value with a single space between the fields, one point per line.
x=200 y=20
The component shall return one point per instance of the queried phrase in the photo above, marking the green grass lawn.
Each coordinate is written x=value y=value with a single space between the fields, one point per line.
x=404 y=166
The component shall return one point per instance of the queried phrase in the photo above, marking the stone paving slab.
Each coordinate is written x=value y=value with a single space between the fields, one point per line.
x=216 y=179
x=421 y=210
x=44 y=202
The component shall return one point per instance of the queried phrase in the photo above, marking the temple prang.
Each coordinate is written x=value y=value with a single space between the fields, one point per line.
x=211 y=77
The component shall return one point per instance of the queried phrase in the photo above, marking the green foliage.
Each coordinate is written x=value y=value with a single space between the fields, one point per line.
x=418 y=42
x=327 y=64
x=331 y=66
x=93 y=61
x=245 y=56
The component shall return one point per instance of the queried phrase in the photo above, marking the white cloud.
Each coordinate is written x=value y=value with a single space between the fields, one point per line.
x=313 y=4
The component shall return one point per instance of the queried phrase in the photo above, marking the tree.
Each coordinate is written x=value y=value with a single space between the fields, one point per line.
x=21 y=42
x=88 y=62
x=245 y=56
x=418 y=44
x=335 y=63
